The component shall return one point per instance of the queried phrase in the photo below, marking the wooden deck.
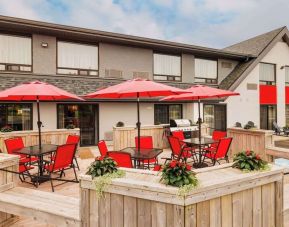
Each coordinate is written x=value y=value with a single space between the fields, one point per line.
x=72 y=190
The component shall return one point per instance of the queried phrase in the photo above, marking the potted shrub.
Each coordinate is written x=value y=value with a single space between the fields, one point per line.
x=103 y=170
x=179 y=174
x=249 y=161
x=6 y=128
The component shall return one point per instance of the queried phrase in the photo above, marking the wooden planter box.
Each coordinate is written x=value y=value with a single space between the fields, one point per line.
x=250 y=139
x=7 y=162
x=226 y=197
x=30 y=138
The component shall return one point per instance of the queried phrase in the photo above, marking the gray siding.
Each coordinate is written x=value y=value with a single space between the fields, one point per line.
x=44 y=59
x=126 y=59
x=224 y=72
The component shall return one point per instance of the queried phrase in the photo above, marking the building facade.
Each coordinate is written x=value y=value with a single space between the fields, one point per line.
x=83 y=60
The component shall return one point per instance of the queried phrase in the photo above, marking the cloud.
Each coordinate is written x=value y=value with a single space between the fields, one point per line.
x=213 y=23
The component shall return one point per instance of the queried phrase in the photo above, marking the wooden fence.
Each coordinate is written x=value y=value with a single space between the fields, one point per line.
x=226 y=197
x=252 y=139
x=30 y=138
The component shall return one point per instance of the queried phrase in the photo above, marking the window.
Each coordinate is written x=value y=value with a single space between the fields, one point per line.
x=17 y=116
x=287 y=75
x=167 y=67
x=267 y=74
x=163 y=113
x=15 y=53
x=215 y=117
x=268 y=114
x=206 y=71
x=77 y=59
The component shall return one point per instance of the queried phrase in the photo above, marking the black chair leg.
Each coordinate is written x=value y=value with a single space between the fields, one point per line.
x=51 y=183
x=75 y=173
x=75 y=159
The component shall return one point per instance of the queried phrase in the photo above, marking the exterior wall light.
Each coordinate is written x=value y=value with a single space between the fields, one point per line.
x=44 y=45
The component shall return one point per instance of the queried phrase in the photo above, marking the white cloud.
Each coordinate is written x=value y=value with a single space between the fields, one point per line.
x=214 y=23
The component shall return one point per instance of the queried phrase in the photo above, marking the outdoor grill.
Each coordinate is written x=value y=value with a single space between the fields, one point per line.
x=184 y=125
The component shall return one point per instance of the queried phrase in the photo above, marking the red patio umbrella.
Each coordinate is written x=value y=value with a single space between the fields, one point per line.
x=199 y=92
x=136 y=88
x=36 y=91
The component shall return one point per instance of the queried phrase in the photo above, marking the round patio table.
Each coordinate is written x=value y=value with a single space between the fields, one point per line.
x=200 y=143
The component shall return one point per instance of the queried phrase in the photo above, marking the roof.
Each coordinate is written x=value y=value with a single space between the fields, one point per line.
x=258 y=46
x=83 y=34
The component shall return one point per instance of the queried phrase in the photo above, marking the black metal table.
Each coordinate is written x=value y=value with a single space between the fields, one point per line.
x=35 y=151
x=142 y=154
x=200 y=143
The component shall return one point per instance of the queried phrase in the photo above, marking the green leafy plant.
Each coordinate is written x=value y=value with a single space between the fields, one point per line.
x=103 y=170
x=178 y=174
x=6 y=128
x=249 y=161
x=70 y=126
x=102 y=166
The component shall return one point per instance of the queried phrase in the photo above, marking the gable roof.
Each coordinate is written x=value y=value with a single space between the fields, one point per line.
x=258 y=46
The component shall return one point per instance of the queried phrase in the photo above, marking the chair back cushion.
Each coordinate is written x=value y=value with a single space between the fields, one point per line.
x=178 y=134
x=223 y=147
x=72 y=139
x=64 y=156
x=123 y=159
x=102 y=148
x=175 y=145
x=146 y=142
x=14 y=144
x=218 y=134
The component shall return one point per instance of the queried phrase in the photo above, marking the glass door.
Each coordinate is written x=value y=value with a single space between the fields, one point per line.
x=82 y=116
x=268 y=114
x=215 y=116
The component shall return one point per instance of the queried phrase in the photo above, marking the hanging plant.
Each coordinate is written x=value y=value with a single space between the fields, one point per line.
x=6 y=128
x=102 y=171
x=249 y=161
x=179 y=174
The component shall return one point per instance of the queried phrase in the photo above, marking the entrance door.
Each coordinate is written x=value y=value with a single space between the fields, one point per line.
x=82 y=116
x=215 y=116
x=268 y=114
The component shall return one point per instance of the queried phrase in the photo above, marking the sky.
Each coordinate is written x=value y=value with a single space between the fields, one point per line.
x=210 y=23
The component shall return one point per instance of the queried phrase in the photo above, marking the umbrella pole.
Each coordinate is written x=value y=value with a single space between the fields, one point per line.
x=138 y=124
x=39 y=123
x=200 y=130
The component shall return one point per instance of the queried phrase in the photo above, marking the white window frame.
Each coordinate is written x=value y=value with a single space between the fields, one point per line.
x=65 y=65
x=15 y=53
x=264 y=80
x=204 y=74
x=167 y=67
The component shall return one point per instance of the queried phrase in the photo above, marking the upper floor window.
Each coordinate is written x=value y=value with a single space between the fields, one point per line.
x=206 y=71
x=15 y=53
x=267 y=74
x=287 y=75
x=167 y=67
x=77 y=59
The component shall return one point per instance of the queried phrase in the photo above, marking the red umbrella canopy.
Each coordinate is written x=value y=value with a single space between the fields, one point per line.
x=136 y=88
x=201 y=92
x=36 y=90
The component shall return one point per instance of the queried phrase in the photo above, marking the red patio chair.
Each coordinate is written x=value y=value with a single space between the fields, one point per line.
x=180 y=135
x=62 y=161
x=123 y=159
x=74 y=139
x=178 y=151
x=146 y=142
x=217 y=135
x=14 y=144
x=102 y=148
x=221 y=152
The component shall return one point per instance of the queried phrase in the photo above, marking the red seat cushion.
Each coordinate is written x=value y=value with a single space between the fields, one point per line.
x=23 y=168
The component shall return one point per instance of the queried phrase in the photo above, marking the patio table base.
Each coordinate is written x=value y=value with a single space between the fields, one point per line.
x=200 y=165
